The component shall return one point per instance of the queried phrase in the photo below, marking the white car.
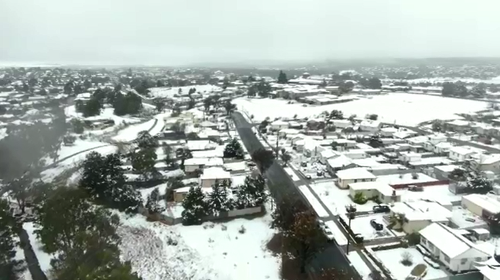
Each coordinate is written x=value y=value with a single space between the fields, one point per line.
x=328 y=234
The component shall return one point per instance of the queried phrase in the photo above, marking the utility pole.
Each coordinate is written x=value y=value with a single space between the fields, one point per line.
x=277 y=143
x=351 y=214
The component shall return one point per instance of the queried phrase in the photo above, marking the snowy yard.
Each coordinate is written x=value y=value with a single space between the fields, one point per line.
x=392 y=260
x=106 y=113
x=361 y=224
x=78 y=147
x=393 y=107
x=212 y=251
x=336 y=199
x=49 y=174
x=360 y=266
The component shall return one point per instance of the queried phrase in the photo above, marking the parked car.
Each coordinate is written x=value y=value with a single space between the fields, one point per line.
x=359 y=238
x=381 y=208
x=303 y=164
x=376 y=225
x=328 y=234
x=422 y=250
x=308 y=177
x=432 y=263
x=319 y=173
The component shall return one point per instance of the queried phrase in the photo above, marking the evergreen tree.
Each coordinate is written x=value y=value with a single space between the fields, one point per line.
x=195 y=206
x=152 y=202
x=218 y=198
x=252 y=91
x=183 y=154
x=143 y=161
x=264 y=88
x=145 y=140
x=104 y=180
x=92 y=108
x=229 y=106
x=9 y=267
x=159 y=104
x=282 y=78
x=234 y=150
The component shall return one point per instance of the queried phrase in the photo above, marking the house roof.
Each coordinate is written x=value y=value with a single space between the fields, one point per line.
x=462 y=150
x=490 y=269
x=446 y=240
x=215 y=173
x=339 y=161
x=355 y=173
x=487 y=203
x=384 y=189
x=326 y=154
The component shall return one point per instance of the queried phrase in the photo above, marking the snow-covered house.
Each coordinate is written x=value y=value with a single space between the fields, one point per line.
x=326 y=154
x=213 y=175
x=484 y=163
x=481 y=205
x=208 y=124
x=370 y=125
x=458 y=125
x=84 y=96
x=384 y=192
x=461 y=153
x=278 y=125
x=193 y=164
x=419 y=214
x=312 y=148
x=453 y=250
x=341 y=123
x=490 y=269
x=338 y=162
x=353 y=175
x=200 y=145
x=344 y=144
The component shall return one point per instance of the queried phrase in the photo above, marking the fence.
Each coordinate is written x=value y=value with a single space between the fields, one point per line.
x=237 y=213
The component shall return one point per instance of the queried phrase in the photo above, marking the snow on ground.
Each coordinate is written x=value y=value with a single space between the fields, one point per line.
x=362 y=225
x=43 y=257
x=360 y=266
x=77 y=147
x=209 y=251
x=316 y=205
x=391 y=108
x=336 y=199
x=170 y=92
x=130 y=133
x=60 y=167
x=106 y=113
x=392 y=260
x=292 y=174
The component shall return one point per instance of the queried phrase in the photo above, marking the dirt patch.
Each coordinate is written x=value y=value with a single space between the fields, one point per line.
x=290 y=269
x=274 y=244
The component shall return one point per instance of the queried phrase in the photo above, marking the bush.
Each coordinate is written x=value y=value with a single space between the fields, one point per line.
x=242 y=229
x=359 y=198
x=413 y=238
x=406 y=259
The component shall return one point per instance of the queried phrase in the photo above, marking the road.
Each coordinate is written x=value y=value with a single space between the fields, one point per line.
x=281 y=184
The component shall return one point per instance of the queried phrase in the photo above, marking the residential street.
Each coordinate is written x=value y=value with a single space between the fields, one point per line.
x=281 y=184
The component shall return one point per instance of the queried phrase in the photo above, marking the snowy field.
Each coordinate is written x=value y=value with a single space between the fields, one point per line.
x=401 y=108
x=130 y=133
x=212 y=251
x=392 y=260
x=167 y=92
x=49 y=174
x=80 y=146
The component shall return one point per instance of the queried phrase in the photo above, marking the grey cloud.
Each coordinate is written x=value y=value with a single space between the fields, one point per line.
x=175 y=32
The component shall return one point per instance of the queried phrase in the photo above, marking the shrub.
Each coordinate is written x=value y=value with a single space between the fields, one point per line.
x=413 y=238
x=406 y=259
x=359 y=198
x=242 y=229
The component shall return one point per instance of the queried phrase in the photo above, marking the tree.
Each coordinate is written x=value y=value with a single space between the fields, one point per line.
x=253 y=192
x=32 y=82
x=82 y=236
x=218 y=199
x=9 y=266
x=191 y=103
x=285 y=156
x=282 y=78
x=195 y=206
x=448 y=89
x=252 y=91
x=20 y=189
x=234 y=150
x=152 y=202
x=305 y=238
x=336 y=115
x=478 y=184
x=178 y=127
x=375 y=141
x=159 y=104
x=264 y=88
x=183 y=154
x=92 y=108
x=127 y=104
x=225 y=83
x=87 y=84
x=437 y=126
x=374 y=83
x=143 y=161
x=263 y=158
x=104 y=180
x=373 y=117
x=458 y=174
x=479 y=90
x=145 y=140
x=160 y=83
x=3 y=110
x=229 y=106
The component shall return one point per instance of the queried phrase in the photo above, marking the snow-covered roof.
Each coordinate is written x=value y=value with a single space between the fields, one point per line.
x=446 y=168
x=326 y=154
x=215 y=173
x=213 y=161
x=355 y=173
x=459 y=123
x=200 y=145
x=384 y=189
x=486 y=202
x=398 y=179
x=462 y=150
x=447 y=241
x=339 y=161
x=370 y=123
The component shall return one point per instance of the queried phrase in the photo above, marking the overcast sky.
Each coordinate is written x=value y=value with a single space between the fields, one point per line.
x=178 y=32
